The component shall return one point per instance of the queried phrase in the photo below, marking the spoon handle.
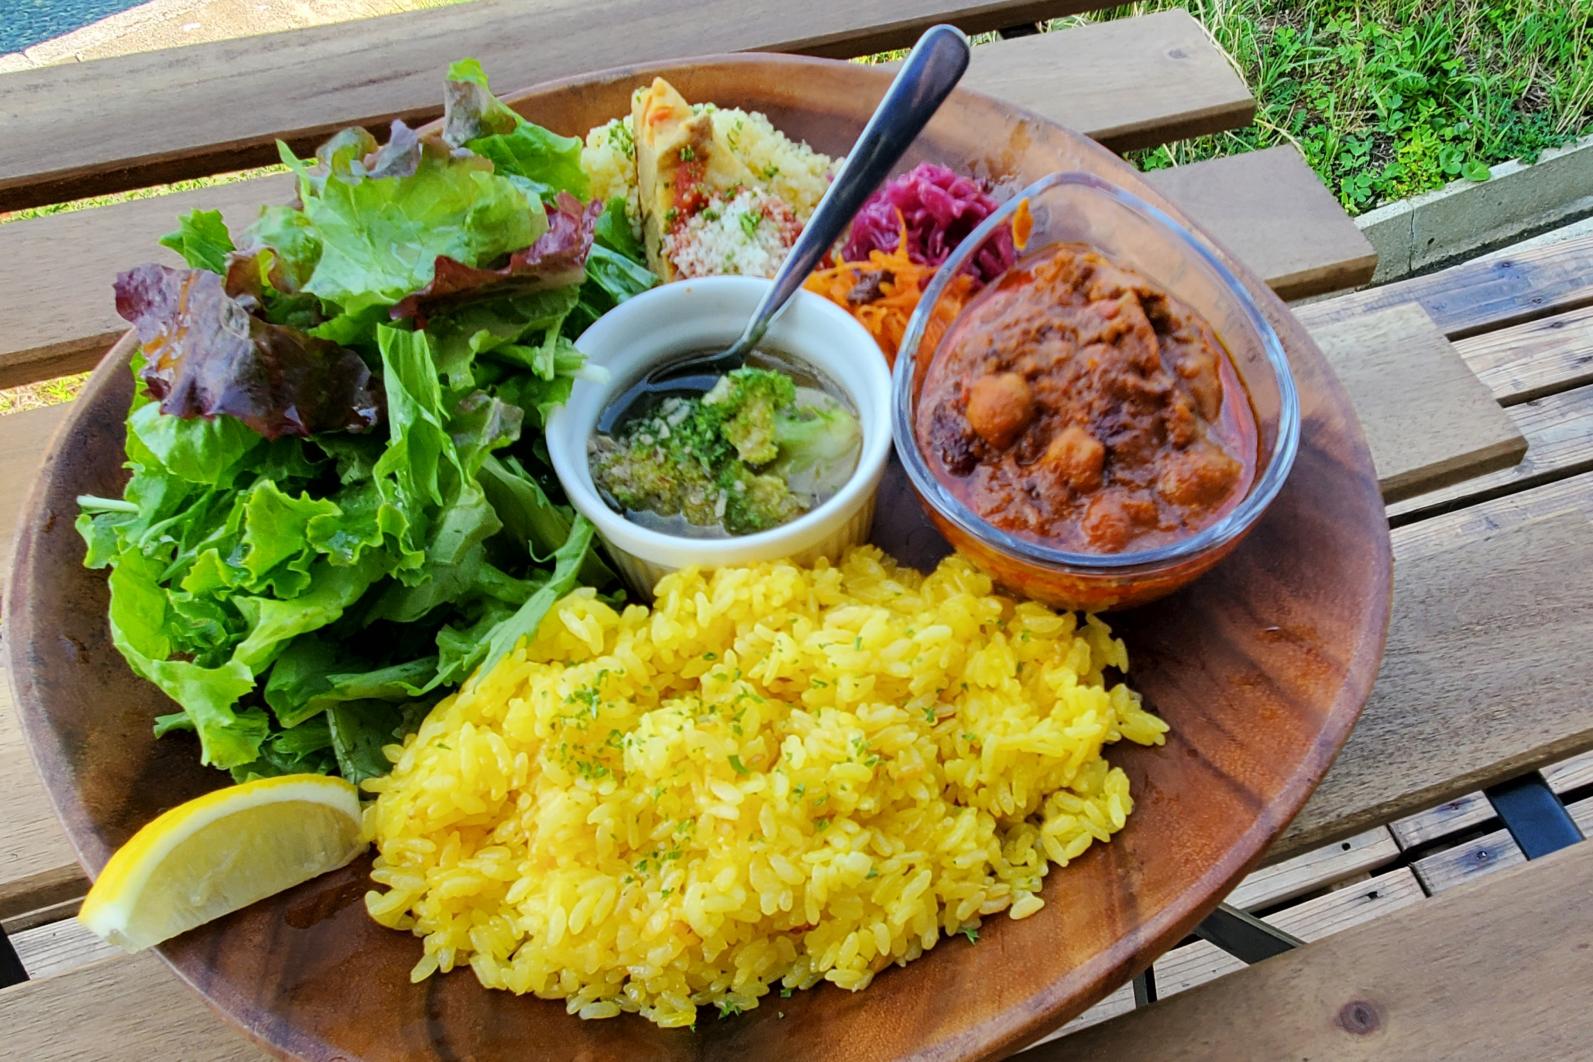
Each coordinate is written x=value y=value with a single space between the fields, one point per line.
x=931 y=71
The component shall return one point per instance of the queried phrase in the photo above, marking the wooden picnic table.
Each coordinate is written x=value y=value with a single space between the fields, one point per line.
x=1432 y=929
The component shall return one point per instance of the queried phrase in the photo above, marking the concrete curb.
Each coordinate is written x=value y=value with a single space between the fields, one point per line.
x=1464 y=218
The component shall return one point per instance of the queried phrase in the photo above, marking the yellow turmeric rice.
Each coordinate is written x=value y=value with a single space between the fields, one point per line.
x=775 y=775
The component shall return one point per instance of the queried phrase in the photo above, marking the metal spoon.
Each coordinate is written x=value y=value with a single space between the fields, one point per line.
x=931 y=71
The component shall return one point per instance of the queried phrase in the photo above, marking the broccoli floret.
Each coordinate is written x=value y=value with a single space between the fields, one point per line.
x=748 y=401
x=818 y=440
x=753 y=453
x=756 y=501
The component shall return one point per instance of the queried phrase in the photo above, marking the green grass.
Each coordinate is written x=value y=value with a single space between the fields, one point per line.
x=29 y=213
x=1390 y=98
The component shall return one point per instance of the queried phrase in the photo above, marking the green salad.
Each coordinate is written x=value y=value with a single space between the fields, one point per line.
x=339 y=502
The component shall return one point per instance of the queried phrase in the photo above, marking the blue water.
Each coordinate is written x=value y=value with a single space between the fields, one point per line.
x=24 y=23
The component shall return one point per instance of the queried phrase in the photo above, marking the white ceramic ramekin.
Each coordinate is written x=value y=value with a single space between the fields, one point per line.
x=707 y=314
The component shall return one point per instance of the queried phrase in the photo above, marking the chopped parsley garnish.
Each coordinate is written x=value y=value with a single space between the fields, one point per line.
x=622 y=139
x=971 y=932
x=741 y=768
x=750 y=222
x=688 y=154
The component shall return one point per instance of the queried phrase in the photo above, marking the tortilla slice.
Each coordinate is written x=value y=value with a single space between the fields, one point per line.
x=680 y=164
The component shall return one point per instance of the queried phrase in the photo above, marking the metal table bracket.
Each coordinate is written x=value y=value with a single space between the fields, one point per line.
x=1244 y=936
x=1534 y=815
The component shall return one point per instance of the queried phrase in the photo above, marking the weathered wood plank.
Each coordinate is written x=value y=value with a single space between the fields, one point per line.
x=57 y=947
x=1442 y=532
x=24 y=438
x=1407 y=986
x=1534 y=359
x=1428 y=420
x=1445 y=718
x=1315 y=869
x=41 y=916
x=1482 y=295
x=1269 y=210
x=1558 y=429
x=1574 y=773
x=123 y=1009
x=37 y=867
x=1130 y=83
x=1582 y=815
x=1474 y=859
x=81 y=129
x=1274 y=884
x=1195 y=964
x=1445 y=820
x=1200 y=962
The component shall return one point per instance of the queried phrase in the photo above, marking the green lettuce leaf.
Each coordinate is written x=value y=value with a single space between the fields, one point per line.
x=202 y=239
x=139 y=617
x=528 y=617
x=312 y=675
x=196 y=449
x=419 y=448
x=474 y=118
x=380 y=238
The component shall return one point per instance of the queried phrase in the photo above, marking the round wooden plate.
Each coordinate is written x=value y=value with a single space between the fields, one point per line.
x=1260 y=668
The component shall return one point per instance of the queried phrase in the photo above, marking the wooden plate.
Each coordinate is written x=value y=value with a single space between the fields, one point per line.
x=1260 y=668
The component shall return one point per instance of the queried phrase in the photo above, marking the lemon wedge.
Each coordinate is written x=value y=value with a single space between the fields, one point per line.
x=220 y=852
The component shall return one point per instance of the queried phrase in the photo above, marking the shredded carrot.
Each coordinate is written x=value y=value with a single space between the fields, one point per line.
x=900 y=283
x=1022 y=225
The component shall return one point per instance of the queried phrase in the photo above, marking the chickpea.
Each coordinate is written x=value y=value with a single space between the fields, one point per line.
x=999 y=408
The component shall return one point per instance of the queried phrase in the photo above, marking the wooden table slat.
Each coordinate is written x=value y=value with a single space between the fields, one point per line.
x=1194 y=964
x=1485 y=294
x=1534 y=359
x=1444 y=820
x=1467 y=862
x=1272 y=212
x=83 y=129
x=1558 y=430
x=1498 y=969
x=37 y=866
x=1197 y=963
x=1476 y=684
x=1129 y=83
x=1571 y=774
x=120 y=1009
x=59 y=946
x=1316 y=869
x=1436 y=534
x=1429 y=421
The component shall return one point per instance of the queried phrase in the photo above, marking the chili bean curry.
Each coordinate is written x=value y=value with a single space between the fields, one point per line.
x=1078 y=405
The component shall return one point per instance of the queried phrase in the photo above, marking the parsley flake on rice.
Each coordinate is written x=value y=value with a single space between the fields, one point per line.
x=775 y=776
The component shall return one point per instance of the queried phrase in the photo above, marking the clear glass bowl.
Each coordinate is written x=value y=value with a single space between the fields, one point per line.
x=1081 y=208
